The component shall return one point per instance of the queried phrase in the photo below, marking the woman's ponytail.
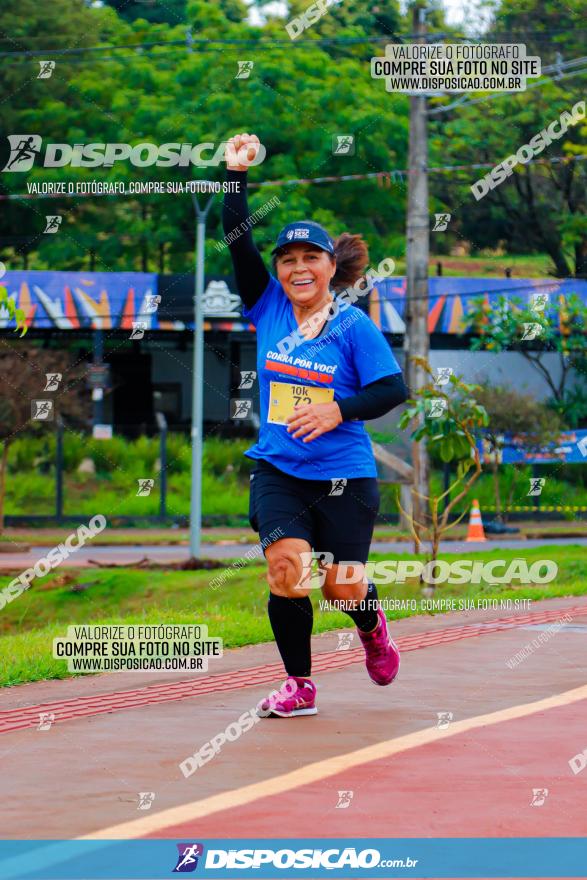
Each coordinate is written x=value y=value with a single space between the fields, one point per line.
x=352 y=258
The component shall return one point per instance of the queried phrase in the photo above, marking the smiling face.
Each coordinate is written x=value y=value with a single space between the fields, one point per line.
x=305 y=272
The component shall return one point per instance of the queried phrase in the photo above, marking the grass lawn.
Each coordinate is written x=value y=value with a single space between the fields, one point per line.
x=235 y=612
x=487 y=266
x=169 y=537
x=30 y=490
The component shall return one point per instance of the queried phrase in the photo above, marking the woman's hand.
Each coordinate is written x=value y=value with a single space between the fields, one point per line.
x=241 y=148
x=314 y=419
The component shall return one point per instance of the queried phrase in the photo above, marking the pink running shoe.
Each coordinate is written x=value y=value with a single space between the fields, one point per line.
x=292 y=699
x=382 y=653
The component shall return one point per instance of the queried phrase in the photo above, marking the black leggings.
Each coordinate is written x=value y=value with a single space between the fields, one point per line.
x=337 y=520
x=335 y=517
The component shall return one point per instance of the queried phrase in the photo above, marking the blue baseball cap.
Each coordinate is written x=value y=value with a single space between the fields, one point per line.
x=305 y=232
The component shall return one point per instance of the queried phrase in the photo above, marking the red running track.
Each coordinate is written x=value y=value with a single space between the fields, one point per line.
x=474 y=784
x=118 y=701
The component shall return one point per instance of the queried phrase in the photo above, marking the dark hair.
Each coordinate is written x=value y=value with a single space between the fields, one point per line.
x=352 y=258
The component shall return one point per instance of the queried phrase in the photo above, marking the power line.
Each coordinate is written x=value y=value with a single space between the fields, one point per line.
x=516 y=38
x=501 y=37
x=382 y=176
x=163 y=54
x=262 y=43
x=557 y=67
x=504 y=36
x=185 y=44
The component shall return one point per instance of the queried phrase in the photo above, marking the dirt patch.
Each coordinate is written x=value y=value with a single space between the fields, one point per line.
x=191 y=564
x=13 y=547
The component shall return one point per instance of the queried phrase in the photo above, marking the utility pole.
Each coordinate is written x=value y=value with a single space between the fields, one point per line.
x=98 y=391
x=416 y=340
x=198 y=382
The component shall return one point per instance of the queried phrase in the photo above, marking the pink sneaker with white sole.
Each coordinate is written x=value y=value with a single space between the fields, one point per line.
x=383 y=658
x=291 y=699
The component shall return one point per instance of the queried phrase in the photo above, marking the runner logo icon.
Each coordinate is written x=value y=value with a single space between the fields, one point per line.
x=24 y=149
x=187 y=860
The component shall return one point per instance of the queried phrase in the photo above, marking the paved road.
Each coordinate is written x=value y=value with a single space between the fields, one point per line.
x=513 y=701
x=131 y=554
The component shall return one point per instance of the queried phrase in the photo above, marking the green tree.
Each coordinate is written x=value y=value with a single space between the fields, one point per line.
x=541 y=207
x=48 y=107
x=511 y=412
x=545 y=27
x=559 y=328
x=25 y=26
x=171 y=11
x=23 y=372
x=571 y=407
x=351 y=18
x=167 y=94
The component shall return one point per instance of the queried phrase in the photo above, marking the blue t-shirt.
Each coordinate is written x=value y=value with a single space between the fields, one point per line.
x=349 y=353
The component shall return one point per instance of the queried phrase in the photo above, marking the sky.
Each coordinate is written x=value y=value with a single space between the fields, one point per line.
x=456 y=11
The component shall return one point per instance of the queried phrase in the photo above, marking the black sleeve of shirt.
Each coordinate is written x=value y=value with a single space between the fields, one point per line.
x=250 y=272
x=375 y=399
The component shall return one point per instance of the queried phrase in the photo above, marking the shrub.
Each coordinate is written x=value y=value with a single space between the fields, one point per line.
x=75 y=448
x=223 y=457
x=178 y=454
x=109 y=455
x=29 y=452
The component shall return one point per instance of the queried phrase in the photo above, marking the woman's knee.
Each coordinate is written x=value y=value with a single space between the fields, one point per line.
x=289 y=568
x=350 y=584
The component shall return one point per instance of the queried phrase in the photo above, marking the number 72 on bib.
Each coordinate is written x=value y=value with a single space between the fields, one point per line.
x=284 y=397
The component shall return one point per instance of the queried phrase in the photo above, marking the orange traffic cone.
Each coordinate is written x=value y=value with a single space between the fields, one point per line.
x=475 y=531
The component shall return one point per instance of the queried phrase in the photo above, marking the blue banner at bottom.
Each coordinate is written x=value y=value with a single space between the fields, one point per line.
x=366 y=858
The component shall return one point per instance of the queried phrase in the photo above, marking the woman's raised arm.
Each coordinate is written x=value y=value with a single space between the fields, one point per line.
x=250 y=272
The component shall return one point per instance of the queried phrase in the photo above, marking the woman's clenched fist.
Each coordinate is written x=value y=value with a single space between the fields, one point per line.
x=241 y=151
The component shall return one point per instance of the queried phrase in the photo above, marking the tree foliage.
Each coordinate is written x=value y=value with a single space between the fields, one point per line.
x=300 y=94
x=559 y=328
x=23 y=371
x=298 y=97
x=452 y=433
x=453 y=436
x=510 y=412
x=542 y=206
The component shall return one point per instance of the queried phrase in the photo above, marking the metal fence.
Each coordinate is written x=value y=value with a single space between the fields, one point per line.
x=166 y=517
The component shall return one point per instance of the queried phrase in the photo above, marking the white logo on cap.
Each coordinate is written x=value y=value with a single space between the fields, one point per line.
x=289 y=235
x=301 y=233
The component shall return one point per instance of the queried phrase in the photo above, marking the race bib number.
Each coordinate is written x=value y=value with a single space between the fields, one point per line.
x=284 y=397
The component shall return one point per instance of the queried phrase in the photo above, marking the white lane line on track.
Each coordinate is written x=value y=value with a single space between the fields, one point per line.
x=318 y=770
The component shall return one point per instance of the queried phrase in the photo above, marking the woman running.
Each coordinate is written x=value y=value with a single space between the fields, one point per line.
x=323 y=368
